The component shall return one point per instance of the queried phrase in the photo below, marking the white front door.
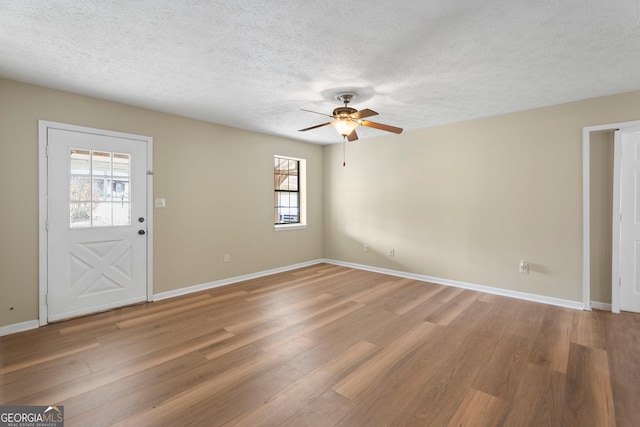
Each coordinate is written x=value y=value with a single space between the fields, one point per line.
x=96 y=220
x=630 y=222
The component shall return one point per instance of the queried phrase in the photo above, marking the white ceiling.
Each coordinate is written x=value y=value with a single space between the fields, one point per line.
x=255 y=64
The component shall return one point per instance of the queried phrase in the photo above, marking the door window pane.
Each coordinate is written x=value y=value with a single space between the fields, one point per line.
x=102 y=189
x=80 y=162
x=120 y=165
x=80 y=187
x=80 y=214
x=99 y=183
x=101 y=163
x=121 y=213
x=101 y=214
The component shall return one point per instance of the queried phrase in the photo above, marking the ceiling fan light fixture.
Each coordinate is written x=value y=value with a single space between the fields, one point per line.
x=345 y=126
x=347 y=119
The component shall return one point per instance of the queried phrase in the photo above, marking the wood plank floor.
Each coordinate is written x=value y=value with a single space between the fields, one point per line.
x=332 y=346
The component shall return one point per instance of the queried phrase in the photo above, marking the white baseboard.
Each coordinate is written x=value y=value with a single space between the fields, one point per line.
x=604 y=306
x=231 y=280
x=33 y=324
x=577 y=305
x=19 y=327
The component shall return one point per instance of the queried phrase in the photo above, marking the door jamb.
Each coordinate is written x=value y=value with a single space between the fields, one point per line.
x=615 y=226
x=43 y=126
x=586 y=214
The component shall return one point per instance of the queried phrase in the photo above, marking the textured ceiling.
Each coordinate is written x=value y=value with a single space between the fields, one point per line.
x=255 y=64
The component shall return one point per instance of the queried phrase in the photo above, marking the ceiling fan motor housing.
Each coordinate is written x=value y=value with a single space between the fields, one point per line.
x=343 y=112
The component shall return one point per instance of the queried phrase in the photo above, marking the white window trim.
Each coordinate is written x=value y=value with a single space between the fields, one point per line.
x=302 y=183
x=285 y=227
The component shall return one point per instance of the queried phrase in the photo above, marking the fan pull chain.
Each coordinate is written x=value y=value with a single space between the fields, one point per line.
x=344 y=145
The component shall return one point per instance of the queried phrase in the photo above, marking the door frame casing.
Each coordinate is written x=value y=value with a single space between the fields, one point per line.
x=586 y=212
x=43 y=180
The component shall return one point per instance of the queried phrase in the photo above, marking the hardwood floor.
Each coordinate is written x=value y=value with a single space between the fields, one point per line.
x=332 y=346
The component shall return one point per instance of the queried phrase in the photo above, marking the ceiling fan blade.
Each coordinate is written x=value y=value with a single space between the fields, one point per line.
x=315 y=112
x=314 y=127
x=352 y=136
x=363 y=113
x=381 y=126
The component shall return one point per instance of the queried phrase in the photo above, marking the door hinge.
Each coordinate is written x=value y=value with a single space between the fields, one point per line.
x=46 y=150
x=46 y=299
x=46 y=224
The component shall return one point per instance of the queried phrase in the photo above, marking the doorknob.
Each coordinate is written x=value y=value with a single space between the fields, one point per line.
x=141 y=232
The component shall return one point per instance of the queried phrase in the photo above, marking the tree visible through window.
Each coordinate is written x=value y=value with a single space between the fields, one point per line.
x=286 y=190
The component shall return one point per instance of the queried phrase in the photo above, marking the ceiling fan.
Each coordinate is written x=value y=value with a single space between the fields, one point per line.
x=347 y=119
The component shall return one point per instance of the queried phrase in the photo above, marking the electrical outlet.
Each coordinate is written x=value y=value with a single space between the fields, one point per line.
x=524 y=267
x=366 y=249
x=225 y=258
x=392 y=252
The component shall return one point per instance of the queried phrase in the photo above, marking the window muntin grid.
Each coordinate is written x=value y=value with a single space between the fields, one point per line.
x=286 y=191
x=99 y=188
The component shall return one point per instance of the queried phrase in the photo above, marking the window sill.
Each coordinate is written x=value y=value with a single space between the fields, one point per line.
x=286 y=227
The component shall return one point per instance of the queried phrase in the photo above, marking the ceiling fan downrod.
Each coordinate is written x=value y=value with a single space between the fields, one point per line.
x=345 y=97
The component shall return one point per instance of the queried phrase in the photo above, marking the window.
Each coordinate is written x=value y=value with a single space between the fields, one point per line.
x=99 y=189
x=289 y=191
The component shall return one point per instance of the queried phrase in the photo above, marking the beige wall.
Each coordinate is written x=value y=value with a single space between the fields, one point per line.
x=461 y=202
x=468 y=201
x=217 y=181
